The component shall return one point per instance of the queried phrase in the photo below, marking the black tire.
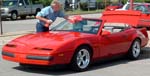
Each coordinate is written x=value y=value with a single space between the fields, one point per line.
x=23 y=17
x=135 y=50
x=23 y=65
x=77 y=62
x=14 y=16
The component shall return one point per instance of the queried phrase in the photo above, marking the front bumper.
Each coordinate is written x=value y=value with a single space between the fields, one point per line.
x=5 y=15
x=28 y=59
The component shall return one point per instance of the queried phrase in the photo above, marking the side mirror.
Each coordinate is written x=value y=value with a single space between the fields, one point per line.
x=105 y=32
x=20 y=4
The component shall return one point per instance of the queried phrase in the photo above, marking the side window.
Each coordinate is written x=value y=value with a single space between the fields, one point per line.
x=26 y=2
x=141 y=8
x=21 y=3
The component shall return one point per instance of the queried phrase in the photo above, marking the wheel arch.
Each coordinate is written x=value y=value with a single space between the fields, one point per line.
x=37 y=10
x=137 y=38
x=14 y=11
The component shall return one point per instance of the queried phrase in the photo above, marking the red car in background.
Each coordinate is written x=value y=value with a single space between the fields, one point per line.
x=145 y=15
x=113 y=7
x=81 y=41
x=143 y=7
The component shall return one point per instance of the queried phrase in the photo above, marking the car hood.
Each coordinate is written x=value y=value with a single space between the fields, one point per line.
x=48 y=39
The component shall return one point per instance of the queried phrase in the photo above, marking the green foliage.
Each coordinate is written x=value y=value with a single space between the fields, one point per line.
x=138 y=0
x=148 y=1
x=45 y=2
x=99 y=0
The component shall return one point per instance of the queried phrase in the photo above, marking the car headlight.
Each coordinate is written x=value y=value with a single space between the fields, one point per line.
x=6 y=9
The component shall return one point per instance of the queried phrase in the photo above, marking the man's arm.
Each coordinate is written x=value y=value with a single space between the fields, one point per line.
x=66 y=17
x=46 y=21
x=40 y=15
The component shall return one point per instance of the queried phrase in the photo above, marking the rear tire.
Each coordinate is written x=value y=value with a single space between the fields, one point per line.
x=135 y=50
x=81 y=59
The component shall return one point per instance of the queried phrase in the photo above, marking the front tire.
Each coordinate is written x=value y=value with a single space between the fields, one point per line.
x=135 y=50
x=81 y=59
x=14 y=16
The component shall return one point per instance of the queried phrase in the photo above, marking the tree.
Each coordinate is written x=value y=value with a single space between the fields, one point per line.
x=45 y=2
x=148 y=1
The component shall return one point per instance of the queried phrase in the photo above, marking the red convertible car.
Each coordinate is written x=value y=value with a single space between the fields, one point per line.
x=80 y=41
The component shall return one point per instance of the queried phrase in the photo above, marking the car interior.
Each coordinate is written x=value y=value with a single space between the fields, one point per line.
x=114 y=28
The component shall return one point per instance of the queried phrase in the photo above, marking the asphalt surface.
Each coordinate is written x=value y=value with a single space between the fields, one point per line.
x=119 y=67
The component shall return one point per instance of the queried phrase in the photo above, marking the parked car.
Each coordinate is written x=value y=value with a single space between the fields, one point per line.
x=143 y=7
x=88 y=4
x=80 y=41
x=14 y=8
x=113 y=7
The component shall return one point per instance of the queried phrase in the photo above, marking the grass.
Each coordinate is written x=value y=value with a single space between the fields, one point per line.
x=83 y=12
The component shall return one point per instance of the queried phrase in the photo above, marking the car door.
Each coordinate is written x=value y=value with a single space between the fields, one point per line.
x=114 y=43
x=21 y=7
x=27 y=7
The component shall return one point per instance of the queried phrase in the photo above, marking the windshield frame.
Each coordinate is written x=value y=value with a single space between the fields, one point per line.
x=90 y=19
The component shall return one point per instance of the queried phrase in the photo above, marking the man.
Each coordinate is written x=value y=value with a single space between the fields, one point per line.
x=48 y=15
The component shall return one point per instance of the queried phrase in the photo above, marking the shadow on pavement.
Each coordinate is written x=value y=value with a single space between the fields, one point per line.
x=99 y=65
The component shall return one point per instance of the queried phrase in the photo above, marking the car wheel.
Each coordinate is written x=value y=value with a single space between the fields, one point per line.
x=135 y=50
x=14 y=16
x=81 y=59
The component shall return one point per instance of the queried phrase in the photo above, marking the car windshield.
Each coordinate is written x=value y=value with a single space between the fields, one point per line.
x=9 y=2
x=85 y=26
x=140 y=7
